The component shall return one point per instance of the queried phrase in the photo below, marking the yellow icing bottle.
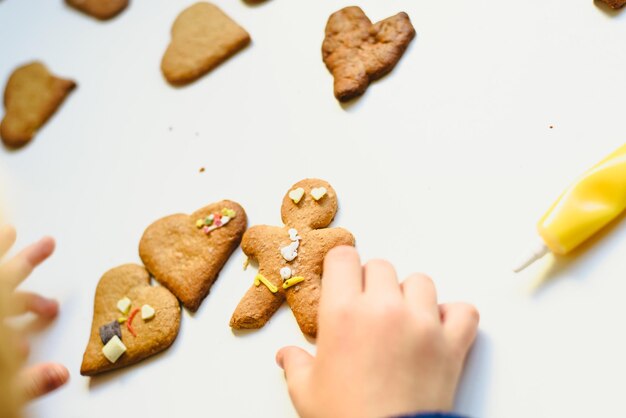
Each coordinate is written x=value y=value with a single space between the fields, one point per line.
x=588 y=205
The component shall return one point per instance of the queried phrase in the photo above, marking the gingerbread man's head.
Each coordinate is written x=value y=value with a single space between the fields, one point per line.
x=310 y=203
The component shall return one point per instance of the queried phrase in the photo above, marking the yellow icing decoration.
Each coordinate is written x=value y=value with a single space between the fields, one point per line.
x=199 y=223
x=246 y=262
x=260 y=279
x=292 y=281
x=228 y=212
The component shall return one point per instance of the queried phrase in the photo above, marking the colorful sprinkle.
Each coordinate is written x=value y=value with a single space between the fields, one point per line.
x=261 y=279
x=229 y=212
x=121 y=319
x=108 y=331
x=129 y=324
x=124 y=305
x=215 y=220
x=293 y=281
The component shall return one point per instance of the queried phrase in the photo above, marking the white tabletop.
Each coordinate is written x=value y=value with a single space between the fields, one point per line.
x=443 y=167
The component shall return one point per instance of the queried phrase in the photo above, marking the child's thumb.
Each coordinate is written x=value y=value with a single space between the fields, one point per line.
x=295 y=362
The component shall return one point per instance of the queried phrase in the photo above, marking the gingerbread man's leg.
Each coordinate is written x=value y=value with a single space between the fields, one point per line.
x=256 y=307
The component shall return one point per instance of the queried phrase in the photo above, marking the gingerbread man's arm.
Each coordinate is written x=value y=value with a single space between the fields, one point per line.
x=325 y=240
x=250 y=243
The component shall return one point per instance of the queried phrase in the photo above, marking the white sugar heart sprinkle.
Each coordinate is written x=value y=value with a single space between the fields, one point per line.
x=147 y=312
x=296 y=194
x=318 y=192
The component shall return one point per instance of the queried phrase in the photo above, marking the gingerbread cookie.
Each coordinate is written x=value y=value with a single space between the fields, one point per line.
x=615 y=4
x=291 y=257
x=185 y=253
x=31 y=96
x=131 y=320
x=202 y=37
x=357 y=52
x=100 y=9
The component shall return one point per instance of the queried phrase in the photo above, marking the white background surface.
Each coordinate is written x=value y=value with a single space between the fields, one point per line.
x=444 y=166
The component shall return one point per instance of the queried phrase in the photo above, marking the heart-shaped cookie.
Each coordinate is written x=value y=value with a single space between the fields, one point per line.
x=202 y=37
x=357 y=52
x=141 y=338
x=31 y=97
x=185 y=253
x=100 y=9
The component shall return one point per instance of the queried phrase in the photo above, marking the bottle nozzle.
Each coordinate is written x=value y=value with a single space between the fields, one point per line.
x=538 y=251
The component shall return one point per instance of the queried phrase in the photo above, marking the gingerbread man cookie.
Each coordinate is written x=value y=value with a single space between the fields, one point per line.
x=291 y=257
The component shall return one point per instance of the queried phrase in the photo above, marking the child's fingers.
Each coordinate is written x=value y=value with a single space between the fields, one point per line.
x=23 y=302
x=7 y=239
x=14 y=271
x=420 y=294
x=460 y=324
x=342 y=279
x=297 y=365
x=380 y=280
x=41 y=379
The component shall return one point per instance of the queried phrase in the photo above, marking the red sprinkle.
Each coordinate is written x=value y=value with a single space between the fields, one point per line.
x=129 y=323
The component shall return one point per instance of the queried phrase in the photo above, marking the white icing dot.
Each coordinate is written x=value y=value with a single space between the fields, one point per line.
x=285 y=273
x=290 y=251
x=293 y=234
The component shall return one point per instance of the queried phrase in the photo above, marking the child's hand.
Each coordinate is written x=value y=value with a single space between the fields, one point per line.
x=383 y=348
x=39 y=379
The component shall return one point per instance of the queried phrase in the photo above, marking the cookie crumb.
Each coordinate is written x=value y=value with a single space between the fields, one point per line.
x=202 y=169
x=551 y=126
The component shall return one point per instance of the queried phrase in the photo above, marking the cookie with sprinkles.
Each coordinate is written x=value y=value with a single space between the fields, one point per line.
x=121 y=334
x=185 y=253
x=291 y=257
